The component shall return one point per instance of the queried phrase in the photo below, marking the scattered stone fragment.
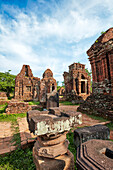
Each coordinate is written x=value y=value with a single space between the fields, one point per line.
x=92 y=132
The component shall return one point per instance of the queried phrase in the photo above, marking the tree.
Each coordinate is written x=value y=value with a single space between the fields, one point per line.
x=63 y=85
x=89 y=72
x=7 y=82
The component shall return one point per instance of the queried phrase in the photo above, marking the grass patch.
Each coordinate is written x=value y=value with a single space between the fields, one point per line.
x=96 y=117
x=110 y=125
x=3 y=108
x=34 y=103
x=71 y=147
x=18 y=160
x=67 y=103
x=11 y=117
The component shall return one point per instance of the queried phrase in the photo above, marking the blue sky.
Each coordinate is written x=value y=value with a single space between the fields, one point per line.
x=50 y=33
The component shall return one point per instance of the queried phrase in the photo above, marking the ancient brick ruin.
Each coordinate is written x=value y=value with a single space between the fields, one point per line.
x=77 y=80
x=26 y=85
x=3 y=96
x=61 y=91
x=101 y=58
x=47 y=85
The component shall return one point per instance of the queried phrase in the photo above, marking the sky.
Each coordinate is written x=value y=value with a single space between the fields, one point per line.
x=50 y=33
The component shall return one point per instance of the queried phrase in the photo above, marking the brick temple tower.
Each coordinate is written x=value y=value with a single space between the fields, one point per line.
x=26 y=85
x=101 y=59
x=77 y=80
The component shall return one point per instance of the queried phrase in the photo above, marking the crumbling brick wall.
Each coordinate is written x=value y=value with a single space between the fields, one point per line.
x=18 y=107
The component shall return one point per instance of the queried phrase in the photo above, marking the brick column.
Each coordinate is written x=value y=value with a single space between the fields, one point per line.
x=74 y=86
x=111 y=71
x=86 y=86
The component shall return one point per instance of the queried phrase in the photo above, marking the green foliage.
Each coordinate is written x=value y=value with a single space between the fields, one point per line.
x=18 y=160
x=103 y=32
x=71 y=147
x=3 y=108
x=63 y=85
x=11 y=117
x=110 y=126
x=96 y=41
x=7 y=82
x=89 y=72
x=67 y=103
x=34 y=103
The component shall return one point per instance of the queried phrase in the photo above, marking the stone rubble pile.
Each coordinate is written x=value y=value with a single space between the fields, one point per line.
x=100 y=105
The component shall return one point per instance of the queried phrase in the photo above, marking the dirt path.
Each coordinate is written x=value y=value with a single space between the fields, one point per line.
x=6 y=133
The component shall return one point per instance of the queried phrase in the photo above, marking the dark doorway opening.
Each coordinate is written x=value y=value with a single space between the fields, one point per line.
x=82 y=86
x=53 y=87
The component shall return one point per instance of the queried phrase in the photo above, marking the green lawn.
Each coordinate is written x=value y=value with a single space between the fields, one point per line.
x=3 y=108
x=34 y=103
x=18 y=160
x=11 y=117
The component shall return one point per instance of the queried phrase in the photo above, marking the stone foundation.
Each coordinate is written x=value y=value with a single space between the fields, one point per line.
x=18 y=107
x=75 y=99
x=99 y=105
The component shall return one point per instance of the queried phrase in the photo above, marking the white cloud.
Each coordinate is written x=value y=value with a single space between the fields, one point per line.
x=53 y=39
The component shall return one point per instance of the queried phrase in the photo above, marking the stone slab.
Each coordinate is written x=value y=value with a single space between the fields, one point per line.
x=48 y=124
x=92 y=132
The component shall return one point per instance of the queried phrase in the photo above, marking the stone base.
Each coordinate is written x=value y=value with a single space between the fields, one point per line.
x=91 y=155
x=63 y=162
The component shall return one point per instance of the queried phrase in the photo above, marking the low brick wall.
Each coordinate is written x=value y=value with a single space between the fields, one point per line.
x=3 y=96
x=18 y=107
x=4 y=101
x=99 y=105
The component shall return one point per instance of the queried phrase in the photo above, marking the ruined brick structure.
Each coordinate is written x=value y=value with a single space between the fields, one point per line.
x=26 y=85
x=77 y=80
x=3 y=96
x=101 y=59
x=61 y=91
x=47 y=85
